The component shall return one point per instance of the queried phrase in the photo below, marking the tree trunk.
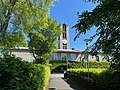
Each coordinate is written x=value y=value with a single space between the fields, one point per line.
x=7 y=16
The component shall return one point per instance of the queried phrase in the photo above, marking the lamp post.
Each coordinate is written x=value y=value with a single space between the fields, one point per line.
x=87 y=41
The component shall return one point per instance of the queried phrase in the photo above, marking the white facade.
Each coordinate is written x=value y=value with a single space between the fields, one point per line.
x=23 y=52
x=61 y=54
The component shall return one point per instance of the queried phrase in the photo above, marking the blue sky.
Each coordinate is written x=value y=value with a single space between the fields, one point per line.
x=65 y=11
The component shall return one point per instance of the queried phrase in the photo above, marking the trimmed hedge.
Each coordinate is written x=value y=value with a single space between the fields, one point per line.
x=19 y=75
x=54 y=64
x=74 y=64
x=102 y=79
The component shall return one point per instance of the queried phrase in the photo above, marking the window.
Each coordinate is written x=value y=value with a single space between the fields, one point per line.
x=64 y=31
x=64 y=56
x=54 y=56
x=64 y=35
x=73 y=57
x=58 y=45
x=64 y=46
x=97 y=58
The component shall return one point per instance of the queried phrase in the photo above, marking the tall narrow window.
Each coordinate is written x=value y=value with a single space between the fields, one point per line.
x=54 y=56
x=64 y=31
x=64 y=56
x=97 y=58
x=65 y=35
x=64 y=46
x=58 y=45
x=73 y=57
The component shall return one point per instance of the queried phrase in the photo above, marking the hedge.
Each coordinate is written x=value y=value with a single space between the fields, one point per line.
x=102 y=79
x=19 y=75
x=57 y=63
x=75 y=64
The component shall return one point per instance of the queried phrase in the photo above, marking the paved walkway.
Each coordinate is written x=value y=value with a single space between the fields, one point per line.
x=58 y=83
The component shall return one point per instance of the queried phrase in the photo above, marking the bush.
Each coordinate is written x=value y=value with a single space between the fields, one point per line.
x=18 y=75
x=102 y=79
x=115 y=66
x=99 y=64
x=74 y=64
x=54 y=64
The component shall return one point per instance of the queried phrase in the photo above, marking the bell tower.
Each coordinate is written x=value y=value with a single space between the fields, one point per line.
x=64 y=38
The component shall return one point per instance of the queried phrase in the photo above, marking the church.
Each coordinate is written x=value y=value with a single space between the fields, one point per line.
x=63 y=52
x=67 y=54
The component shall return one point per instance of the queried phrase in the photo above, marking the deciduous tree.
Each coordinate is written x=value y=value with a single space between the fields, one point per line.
x=43 y=42
x=19 y=17
x=106 y=17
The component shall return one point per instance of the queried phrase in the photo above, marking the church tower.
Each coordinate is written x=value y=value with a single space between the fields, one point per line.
x=64 y=38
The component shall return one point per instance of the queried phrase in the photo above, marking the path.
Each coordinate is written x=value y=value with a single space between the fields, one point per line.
x=58 y=83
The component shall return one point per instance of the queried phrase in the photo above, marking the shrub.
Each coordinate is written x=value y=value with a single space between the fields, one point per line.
x=115 y=66
x=102 y=79
x=84 y=71
x=74 y=64
x=99 y=64
x=18 y=75
x=54 y=64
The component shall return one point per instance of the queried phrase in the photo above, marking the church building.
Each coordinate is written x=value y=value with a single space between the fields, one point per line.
x=63 y=52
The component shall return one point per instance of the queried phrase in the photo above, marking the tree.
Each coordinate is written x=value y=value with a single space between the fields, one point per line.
x=42 y=43
x=106 y=17
x=19 y=17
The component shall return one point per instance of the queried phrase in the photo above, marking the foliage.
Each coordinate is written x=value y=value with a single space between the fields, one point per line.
x=77 y=64
x=43 y=42
x=106 y=17
x=22 y=18
x=99 y=64
x=115 y=66
x=95 y=1
x=17 y=39
x=74 y=64
x=18 y=75
x=107 y=79
x=54 y=64
x=84 y=71
x=19 y=17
